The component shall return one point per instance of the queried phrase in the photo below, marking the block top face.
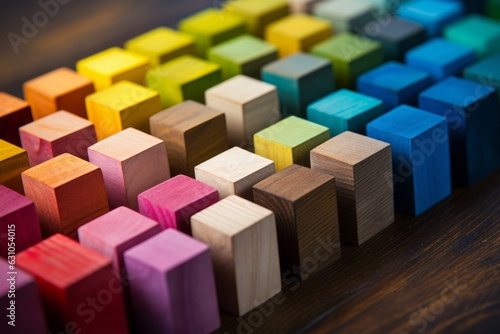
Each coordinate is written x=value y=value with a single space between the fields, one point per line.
x=296 y=66
x=10 y=104
x=430 y=10
x=160 y=40
x=122 y=95
x=394 y=76
x=211 y=22
x=343 y=9
x=58 y=82
x=11 y=201
x=56 y=125
x=255 y=7
x=299 y=26
x=347 y=47
x=22 y=277
x=243 y=49
x=240 y=89
x=345 y=103
x=8 y=150
x=488 y=67
x=475 y=27
x=184 y=69
x=396 y=30
x=439 y=51
x=112 y=61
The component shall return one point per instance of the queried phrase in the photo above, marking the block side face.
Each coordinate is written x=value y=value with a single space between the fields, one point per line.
x=243 y=187
x=76 y=143
x=41 y=104
x=301 y=153
x=74 y=101
x=279 y=153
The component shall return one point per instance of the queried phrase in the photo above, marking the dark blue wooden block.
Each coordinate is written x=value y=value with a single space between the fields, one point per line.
x=473 y=113
x=486 y=72
x=420 y=156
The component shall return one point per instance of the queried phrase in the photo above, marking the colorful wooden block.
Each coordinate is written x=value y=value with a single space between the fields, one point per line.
x=78 y=288
x=345 y=110
x=184 y=78
x=345 y=15
x=472 y=113
x=394 y=83
x=67 y=191
x=486 y=72
x=302 y=6
x=174 y=290
x=420 y=157
x=55 y=134
x=131 y=162
x=297 y=32
x=161 y=45
x=249 y=106
x=14 y=113
x=61 y=89
x=123 y=105
x=289 y=141
x=493 y=9
x=13 y=161
x=234 y=172
x=305 y=204
x=301 y=79
x=243 y=241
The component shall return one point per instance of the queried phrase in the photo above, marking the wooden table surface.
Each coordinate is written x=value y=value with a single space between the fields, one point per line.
x=438 y=273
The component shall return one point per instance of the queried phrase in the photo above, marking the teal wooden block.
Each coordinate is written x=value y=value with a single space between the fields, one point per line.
x=486 y=72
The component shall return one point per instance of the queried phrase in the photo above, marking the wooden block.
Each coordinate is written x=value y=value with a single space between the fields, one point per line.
x=249 y=105
x=13 y=161
x=161 y=45
x=77 y=285
x=362 y=168
x=234 y=172
x=184 y=78
x=305 y=204
x=61 y=89
x=302 y=6
x=486 y=72
x=67 y=191
x=14 y=113
x=345 y=15
x=131 y=162
x=192 y=132
x=243 y=242
x=471 y=110
x=493 y=9
x=301 y=79
x=420 y=157
x=289 y=141
x=345 y=110
x=173 y=202
x=174 y=290
x=55 y=134
x=123 y=105
x=297 y=32
x=113 y=65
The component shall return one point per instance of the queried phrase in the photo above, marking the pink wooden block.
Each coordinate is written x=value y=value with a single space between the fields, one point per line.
x=173 y=289
x=173 y=202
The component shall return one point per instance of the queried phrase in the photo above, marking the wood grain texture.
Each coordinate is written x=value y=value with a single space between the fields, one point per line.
x=14 y=113
x=13 y=161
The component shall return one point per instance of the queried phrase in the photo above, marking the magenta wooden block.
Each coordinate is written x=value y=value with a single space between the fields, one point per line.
x=173 y=289
x=173 y=202
x=17 y=215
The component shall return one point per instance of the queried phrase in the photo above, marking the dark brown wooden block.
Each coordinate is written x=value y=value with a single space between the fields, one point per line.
x=14 y=113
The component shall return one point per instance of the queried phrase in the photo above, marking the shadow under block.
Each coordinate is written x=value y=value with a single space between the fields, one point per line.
x=420 y=157
x=493 y=9
x=234 y=172
x=74 y=282
x=173 y=290
x=289 y=141
x=113 y=65
x=473 y=114
x=486 y=72
x=297 y=32
x=305 y=204
x=13 y=161
x=345 y=110
x=67 y=191
x=131 y=162
x=61 y=89
x=55 y=134
x=243 y=241
x=394 y=83
x=301 y=79
x=14 y=113
x=173 y=202
x=249 y=106
x=123 y=105
x=345 y=15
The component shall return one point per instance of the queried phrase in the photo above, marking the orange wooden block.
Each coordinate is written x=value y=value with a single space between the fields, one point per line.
x=13 y=161
x=14 y=113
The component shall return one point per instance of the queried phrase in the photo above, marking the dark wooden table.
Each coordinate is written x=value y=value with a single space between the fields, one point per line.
x=438 y=273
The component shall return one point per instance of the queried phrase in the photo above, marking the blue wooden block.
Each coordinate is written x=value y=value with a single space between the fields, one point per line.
x=301 y=79
x=473 y=113
x=441 y=58
x=486 y=72
x=394 y=83
x=420 y=156
x=345 y=110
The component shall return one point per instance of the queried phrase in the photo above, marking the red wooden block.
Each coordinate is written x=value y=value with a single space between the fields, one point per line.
x=14 y=113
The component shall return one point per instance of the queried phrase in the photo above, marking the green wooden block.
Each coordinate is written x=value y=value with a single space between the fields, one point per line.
x=493 y=9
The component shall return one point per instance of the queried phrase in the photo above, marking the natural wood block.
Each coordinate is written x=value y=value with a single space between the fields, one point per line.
x=174 y=289
x=55 y=134
x=123 y=105
x=131 y=162
x=362 y=168
x=345 y=15
x=113 y=65
x=67 y=191
x=289 y=141
x=78 y=288
x=14 y=113
x=243 y=242
x=173 y=202
x=192 y=132
x=250 y=105
x=61 y=89
x=13 y=161
x=302 y=6
x=234 y=172
x=305 y=204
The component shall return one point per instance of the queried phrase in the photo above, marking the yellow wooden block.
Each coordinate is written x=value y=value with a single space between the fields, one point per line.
x=123 y=105
x=297 y=32
x=112 y=65
x=13 y=161
x=162 y=44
